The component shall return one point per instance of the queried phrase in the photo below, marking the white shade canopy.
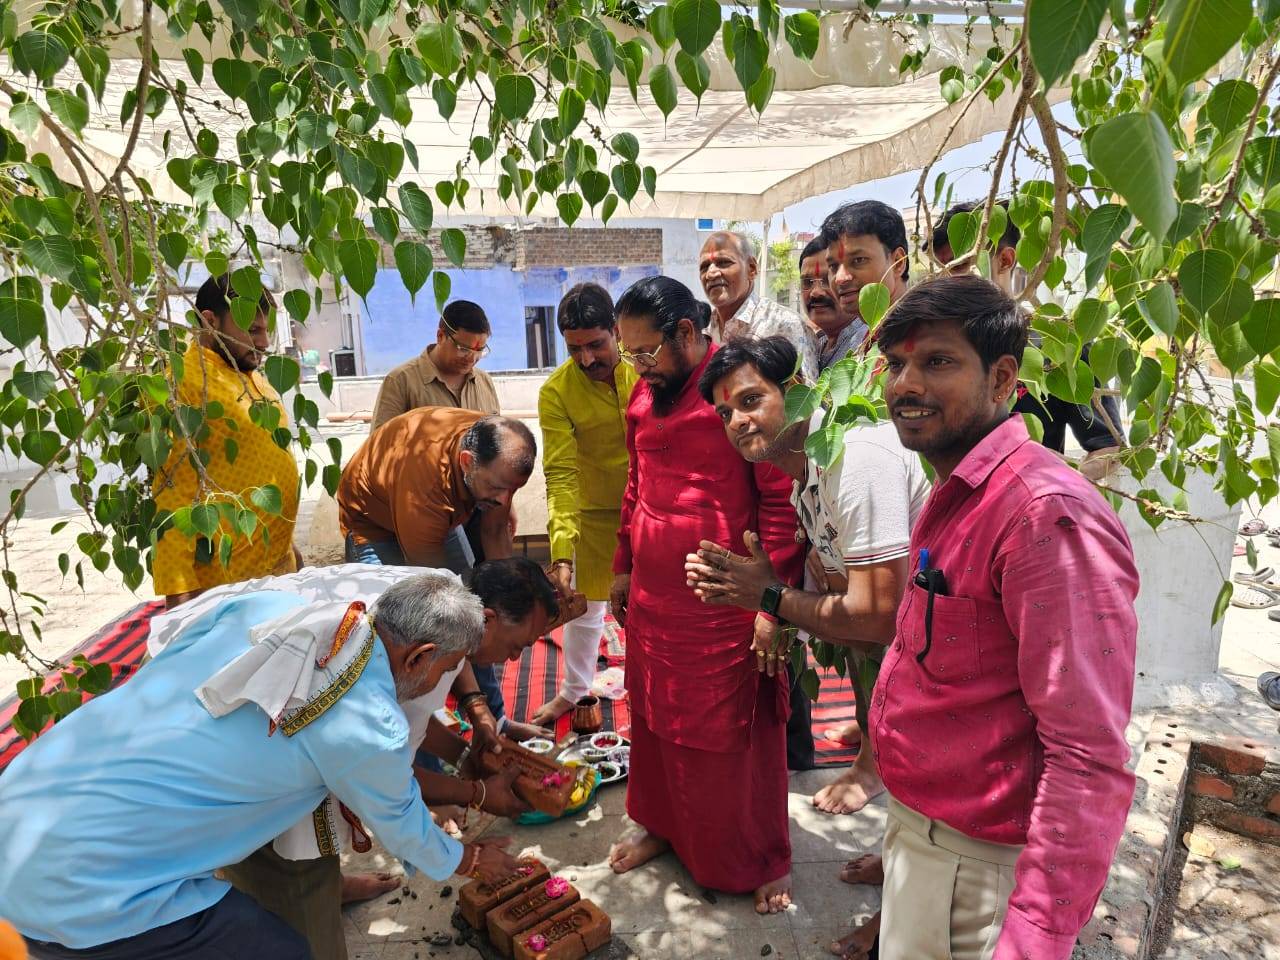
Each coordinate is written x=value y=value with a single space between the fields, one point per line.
x=844 y=119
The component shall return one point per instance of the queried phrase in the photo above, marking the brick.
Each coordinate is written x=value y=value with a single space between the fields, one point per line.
x=1234 y=755
x=1206 y=785
x=1259 y=828
x=1273 y=805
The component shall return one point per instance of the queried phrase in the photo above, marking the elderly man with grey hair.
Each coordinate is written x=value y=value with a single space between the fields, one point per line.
x=267 y=703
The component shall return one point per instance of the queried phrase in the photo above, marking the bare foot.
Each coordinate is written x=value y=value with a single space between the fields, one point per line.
x=635 y=849
x=524 y=731
x=551 y=711
x=774 y=897
x=868 y=868
x=857 y=945
x=357 y=887
x=847 y=736
x=850 y=793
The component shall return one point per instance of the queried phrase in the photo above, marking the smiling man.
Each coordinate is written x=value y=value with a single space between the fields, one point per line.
x=866 y=243
x=727 y=268
x=582 y=415
x=998 y=720
x=838 y=333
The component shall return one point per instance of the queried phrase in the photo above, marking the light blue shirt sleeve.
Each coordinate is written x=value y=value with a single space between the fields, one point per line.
x=361 y=750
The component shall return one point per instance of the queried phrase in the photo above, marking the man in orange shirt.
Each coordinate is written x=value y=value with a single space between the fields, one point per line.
x=422 y=475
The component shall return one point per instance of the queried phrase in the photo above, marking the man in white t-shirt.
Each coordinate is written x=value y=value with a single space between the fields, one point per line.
x=858 y=516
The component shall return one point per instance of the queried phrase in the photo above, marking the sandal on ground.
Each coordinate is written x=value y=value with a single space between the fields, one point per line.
x=1256 y=598
x=1251 y=528
x=1266 y=576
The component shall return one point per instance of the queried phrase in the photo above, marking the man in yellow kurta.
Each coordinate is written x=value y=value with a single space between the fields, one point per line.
x=220 y=369
x=582 y=412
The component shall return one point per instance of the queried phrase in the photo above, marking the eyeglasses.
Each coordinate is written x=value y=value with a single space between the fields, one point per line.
x=642 y=361
x=809 y=283
x=465 y=350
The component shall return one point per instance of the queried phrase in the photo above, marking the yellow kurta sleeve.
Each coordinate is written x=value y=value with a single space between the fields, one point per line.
x=560 y=466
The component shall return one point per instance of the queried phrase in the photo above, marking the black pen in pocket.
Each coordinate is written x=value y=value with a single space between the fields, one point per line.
x=932 y=580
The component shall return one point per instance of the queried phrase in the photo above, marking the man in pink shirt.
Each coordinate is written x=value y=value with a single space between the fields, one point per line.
x=998 y=720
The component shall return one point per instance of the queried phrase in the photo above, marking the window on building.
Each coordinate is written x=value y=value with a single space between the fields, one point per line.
x=539 y=336
x=706 y=223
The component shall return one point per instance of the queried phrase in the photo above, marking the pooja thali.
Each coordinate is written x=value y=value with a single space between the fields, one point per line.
x=607 y=752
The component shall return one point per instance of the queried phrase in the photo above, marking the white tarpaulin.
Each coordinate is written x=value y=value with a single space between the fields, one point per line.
x=844 y=119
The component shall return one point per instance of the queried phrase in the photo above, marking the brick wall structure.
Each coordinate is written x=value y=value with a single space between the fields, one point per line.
x=587 y=246
x=1236 y=786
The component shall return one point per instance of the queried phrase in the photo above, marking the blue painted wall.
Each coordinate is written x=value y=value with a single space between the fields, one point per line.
x=394 y=330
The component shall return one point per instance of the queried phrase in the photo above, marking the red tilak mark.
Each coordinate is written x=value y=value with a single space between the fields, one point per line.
x=909 y=344
x=817 y=270
x=724 y=394
x=842 y=249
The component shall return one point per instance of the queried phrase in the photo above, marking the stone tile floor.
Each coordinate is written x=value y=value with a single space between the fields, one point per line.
x=658 y=912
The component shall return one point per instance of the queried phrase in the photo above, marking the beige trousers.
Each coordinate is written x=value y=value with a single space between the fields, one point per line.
x=945 y=894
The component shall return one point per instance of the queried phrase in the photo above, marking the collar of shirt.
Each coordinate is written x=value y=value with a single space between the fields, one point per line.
x=991 y=451
x=849 y=337
x=427 y=367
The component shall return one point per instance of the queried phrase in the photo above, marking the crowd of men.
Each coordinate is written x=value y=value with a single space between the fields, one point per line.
x=981 y=584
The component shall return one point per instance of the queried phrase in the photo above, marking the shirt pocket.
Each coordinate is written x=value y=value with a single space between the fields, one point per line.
x=952 y=657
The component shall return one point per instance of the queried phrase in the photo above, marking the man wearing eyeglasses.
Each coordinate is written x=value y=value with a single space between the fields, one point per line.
x=444 y=374
x=838 y=331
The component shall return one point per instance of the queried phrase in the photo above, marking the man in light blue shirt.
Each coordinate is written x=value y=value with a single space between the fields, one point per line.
x=113 y=822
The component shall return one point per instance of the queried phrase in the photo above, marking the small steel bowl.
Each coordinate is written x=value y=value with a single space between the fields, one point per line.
x=538 y=745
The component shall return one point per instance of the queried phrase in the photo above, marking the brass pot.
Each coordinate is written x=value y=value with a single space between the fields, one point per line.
x=588 y=715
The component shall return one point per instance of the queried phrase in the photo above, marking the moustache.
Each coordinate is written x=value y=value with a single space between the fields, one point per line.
x=821 y=301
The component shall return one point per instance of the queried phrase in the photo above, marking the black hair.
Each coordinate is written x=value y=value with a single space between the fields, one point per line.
x=485 y=439
x=216 y=294
x=665 y=302
x=587 y=306
x=510 y=587
x=468 y=316
x=868 y=218
x=991 y=321
x=1009 y=238
x=774 y=357
x=815 y=247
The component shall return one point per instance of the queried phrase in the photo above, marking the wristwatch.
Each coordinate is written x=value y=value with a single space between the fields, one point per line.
x=771 y=599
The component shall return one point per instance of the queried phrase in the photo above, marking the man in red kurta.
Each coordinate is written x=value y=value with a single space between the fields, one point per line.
x=708 y=771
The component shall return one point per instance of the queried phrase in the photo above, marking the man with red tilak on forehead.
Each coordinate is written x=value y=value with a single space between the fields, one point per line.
x=837 y=333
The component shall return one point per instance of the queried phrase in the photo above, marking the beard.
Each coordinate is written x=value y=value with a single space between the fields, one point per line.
x=788 y=440
x=951 y=439
x=408 y=687
x=668 y=392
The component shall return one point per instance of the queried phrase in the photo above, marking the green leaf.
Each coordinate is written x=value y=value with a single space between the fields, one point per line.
x=283 y=373
x=600 y=43
x=386 y=223
x=569 y=205
x=298 y=304
x=626 y=180
x=572 y=108
x=35 y=385
x=1266 y=388
x=40 y=54
x=232 y=199
x=1262 y=161
x=749 y=52
x=416 y=206
x=1230 y=345
x=233 y=77
x=441 y=47
x=594 y=186
x=25 y=115
x=454 y=243
x=53 y=256
x=21 y=320
x=696 y=23
x=962 y=233
x=1089 y=319
x=268 y=499
x=442 y=285
x=951 y=89
x=1160 y=307
x=694 y=72
x=325 y=379
x=383 y=94
x=244 y=13
x=1204 y=276
x=173 y=247
x=1059 y=31
x=1135 y=155
x=315 y=132
x=662 y=84
x=626 y=146
x=1229 y=103
x=359 y=259
x=761 y=91
x=660 y=27
x=152 y=448
x=1198 y=33
x=1104 y=226
x=69 y=108
x=40 y=446
x=195 y=63
x=1262 y=326
x=1223 y=601
x=514 y=93
x=873 y=303
x=1144 y=383
x=445 y=95
x=802 y=32
x=414 y=261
